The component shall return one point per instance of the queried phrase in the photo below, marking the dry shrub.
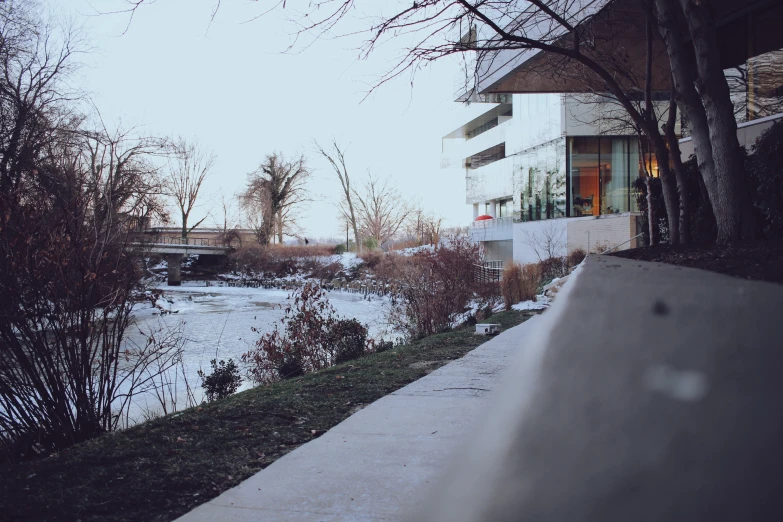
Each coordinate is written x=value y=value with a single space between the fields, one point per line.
x=553 y=267
x=600 y=246
x=519 y=283
x=371 y=258
x=313 y=338
x=531 y=278
x=434 y=287
x=300 y=251
x=575 y=257
x=249 y=258
x=281 y=261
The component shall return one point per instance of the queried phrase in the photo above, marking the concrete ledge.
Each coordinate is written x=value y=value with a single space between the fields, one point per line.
x=648 y=392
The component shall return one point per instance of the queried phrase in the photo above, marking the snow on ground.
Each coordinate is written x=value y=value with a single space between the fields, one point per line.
x=349 y=260
x=415 y=250
x=540 y=303
x=217 y=323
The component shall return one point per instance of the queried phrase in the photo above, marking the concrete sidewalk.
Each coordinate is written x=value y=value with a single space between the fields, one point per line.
x=378 y=463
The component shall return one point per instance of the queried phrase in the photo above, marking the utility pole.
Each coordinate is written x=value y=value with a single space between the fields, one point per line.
x=346 y=236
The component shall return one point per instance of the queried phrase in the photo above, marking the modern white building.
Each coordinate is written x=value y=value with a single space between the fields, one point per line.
x=555 y=171
x=532 y=161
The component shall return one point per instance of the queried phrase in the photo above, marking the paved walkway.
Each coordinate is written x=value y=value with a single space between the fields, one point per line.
x=379 y=463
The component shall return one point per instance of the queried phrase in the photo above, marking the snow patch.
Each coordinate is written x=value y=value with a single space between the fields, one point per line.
x=540 y=303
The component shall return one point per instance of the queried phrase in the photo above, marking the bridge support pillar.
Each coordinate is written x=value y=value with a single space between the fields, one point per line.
x=174 y=268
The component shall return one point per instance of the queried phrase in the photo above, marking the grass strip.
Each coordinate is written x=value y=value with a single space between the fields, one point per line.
x=163 y=468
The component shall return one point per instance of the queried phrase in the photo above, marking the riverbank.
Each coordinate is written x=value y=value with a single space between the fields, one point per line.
x=163 y=468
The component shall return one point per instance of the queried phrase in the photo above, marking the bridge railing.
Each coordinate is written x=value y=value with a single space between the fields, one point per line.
x=191 y=241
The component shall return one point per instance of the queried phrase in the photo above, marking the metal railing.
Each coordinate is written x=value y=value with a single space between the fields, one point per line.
x=488 y=272
x=495 y=222
x=197 y=241
x=620 y=244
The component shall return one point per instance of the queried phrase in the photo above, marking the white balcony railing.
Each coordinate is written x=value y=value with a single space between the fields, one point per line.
x=498 y=229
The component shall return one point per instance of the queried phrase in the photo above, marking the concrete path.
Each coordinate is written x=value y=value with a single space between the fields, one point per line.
x=379 y=463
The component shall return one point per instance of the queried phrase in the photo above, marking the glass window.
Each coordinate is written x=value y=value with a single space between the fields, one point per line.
x=614 y=175
x=634 y=163
x=583 y=156
x=600 y=175
x=756 y=86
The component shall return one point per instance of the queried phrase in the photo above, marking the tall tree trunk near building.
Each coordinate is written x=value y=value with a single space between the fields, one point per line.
x=679 y=174
x=650 y=126
x=668 y=187
x=651 y=218
x=732 y=208
x=683 y=69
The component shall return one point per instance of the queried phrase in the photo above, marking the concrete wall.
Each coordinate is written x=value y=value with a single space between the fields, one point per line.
x=530 y=235
x=598 y=234
x=498 y=250
x=746 y=133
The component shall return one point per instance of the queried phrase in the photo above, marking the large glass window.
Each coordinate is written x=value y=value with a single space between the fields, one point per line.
x=756 y=86
x=600 y=175
x=584 y=158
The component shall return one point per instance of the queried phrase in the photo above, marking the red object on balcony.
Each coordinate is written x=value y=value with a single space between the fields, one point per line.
x=483 y=217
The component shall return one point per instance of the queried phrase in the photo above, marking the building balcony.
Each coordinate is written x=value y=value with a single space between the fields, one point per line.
x=457 y=150
x=499 y=229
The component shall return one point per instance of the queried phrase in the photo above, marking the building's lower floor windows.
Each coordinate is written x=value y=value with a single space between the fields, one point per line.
x=601 y=171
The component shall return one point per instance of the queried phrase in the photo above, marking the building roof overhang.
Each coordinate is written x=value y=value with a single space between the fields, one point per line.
x=620 y=25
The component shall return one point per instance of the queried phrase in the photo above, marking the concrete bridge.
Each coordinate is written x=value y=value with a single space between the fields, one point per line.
x=173 y=249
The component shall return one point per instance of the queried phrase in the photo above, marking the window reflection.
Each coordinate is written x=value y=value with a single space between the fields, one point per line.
x=600 y=174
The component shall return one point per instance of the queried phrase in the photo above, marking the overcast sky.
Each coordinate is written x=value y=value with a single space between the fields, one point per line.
x=230 y=85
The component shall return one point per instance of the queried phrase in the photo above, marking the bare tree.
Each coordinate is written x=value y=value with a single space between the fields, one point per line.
x=547 y=241
x=337 y=160
x=275 y=191
x=186 y=173
x=381 y=210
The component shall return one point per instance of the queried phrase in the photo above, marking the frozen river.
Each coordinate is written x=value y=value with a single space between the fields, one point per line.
x=217 y=323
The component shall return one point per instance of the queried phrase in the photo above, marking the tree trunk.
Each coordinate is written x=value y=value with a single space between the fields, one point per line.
x=184 y=229
x=679 y=174
x=280 y=226
x=650 y=212
x=668 y=187
x=732 y=208
x=683 y=82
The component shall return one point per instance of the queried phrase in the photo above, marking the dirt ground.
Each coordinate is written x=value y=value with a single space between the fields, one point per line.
x=760 y=260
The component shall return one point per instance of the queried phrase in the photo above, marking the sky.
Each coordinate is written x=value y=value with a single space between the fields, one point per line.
x=231 y=85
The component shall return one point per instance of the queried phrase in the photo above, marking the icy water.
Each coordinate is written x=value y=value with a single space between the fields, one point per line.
x=217 y=323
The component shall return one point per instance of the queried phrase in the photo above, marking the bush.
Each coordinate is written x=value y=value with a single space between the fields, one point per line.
x=223 y=381
x=575 y=257
x=370 y=243
x=278 y=261
x=520 y=283
x=553 y=267
x=340 y=249
x=371 y=259
x=349 y=337
x=435 y=287
x=313 y=338
x=383 y=346
x=765 y=167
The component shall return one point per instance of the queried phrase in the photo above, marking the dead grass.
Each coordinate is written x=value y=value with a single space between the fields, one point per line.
x=519 y=283
x=161 y=469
